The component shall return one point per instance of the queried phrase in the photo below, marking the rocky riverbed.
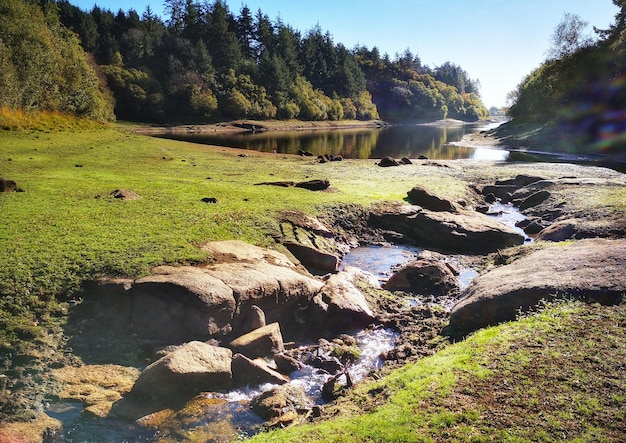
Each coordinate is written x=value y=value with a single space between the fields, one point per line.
x=148 y=350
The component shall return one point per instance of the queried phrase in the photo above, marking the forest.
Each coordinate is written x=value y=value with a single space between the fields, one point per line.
x=204 y=63
x=577 y=95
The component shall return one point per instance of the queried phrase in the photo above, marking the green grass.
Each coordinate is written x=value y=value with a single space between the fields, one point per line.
x=531 y=380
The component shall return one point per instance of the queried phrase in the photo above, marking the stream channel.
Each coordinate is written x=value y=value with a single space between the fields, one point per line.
x=233 y=407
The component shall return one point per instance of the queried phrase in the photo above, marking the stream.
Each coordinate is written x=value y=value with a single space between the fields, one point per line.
x=231 y=410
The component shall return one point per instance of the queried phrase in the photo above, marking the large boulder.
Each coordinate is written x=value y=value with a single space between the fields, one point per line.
x=425 y=276
x=462 y=232
x=277 y=290
x=427 y=200
x=181 y=303
x=340 y=305
x=261 y=342
x=591 y=270
x=192 y=368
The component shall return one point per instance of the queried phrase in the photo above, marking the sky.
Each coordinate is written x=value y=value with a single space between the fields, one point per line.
x=497 y=42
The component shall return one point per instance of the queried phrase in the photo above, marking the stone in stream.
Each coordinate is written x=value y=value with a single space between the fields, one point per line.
x=462 y=232
x=192 y=368
x=247 y=372
x=261 y=342
x=425 y=276
x=340 y=305
x=592 y=270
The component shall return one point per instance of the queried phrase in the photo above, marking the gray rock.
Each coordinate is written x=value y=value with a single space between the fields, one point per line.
x=247 y=372
x=261 y=342
x=591 y=270
x=426 y=276
x=430 y=201
x=192 y=368
x=340 y=305
x=462 y=232
x=181 y=303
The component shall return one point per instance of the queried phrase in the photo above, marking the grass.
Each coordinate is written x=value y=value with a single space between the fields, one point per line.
x=554 y=376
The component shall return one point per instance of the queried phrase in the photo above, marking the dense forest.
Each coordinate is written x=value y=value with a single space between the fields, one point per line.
x=204 y=63
x=578 y=95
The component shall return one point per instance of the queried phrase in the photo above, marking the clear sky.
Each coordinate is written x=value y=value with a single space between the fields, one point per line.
x=497 y=42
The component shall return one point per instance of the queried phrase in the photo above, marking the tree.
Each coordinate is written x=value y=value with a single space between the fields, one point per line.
x=569 y=37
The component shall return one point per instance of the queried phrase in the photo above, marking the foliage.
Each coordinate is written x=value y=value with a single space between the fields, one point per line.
x=404 y=90
x=42 y=65
x=580 y=90
x=205 y=63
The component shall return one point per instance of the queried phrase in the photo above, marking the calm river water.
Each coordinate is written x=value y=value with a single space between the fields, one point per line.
x=399 y=141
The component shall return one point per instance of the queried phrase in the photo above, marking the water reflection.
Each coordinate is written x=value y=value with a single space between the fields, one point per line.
x=409 y=141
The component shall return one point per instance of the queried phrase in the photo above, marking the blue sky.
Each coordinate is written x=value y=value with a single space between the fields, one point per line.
x=497 y=42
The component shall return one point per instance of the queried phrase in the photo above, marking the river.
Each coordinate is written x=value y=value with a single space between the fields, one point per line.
x=411 y=141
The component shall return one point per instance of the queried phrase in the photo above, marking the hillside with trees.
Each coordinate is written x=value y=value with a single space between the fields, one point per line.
x=43 y=66
x=204 y=63
x=575 y=100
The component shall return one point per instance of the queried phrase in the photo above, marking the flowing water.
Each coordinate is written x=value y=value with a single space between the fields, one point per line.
x=409 y=141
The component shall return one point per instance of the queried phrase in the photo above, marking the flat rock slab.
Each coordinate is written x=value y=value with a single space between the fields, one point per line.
x=462 y=232
x=592 y=270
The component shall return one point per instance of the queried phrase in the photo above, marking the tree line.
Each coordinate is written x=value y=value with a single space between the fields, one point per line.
x=205 y=63
x=580 y=90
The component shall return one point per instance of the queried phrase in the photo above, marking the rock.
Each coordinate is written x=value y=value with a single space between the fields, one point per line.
x=534 y=200
x=125 y=194
x=591 y=270
x=387 y=162
x=559 y=231
x=181 y=303
x=261 y=342
x=193 y=368
x=313 y=259
x=302 y=220
x=406 y=161
x=7 y=185
x=430 y=201
x=490 y=198
x=253 y=319
x=314 y=185
x=277 y=401
x=212 y=200
x=502 y=192
x=340 y=306
x=462 y=232
x=279 y=291
x=247 y=372
x=229 y=251
x=282 y=184
x=519 y=180
x=426 y=276
x=286 y=364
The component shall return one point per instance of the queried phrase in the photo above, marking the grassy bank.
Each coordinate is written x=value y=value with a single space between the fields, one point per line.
x=555 y=376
